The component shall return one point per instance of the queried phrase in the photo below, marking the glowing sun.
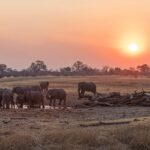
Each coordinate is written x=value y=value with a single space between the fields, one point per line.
x=132 y=45
x=133 y=48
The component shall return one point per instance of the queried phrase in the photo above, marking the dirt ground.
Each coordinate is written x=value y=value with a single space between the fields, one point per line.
x=36 y=119
x=37 y=123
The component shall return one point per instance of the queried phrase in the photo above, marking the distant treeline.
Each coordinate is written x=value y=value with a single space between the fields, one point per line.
x=39 y=68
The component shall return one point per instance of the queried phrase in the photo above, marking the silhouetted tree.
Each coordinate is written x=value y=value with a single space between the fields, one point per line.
x=105 y=69
x=65 y=69
x=37 y=66
x=9 y=70
x=3 y=68
x=78 y=66
x=117 y=70
x=144 y=68
x=111 y=71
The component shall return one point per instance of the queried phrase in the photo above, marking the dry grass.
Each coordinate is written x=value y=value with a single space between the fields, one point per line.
x=122 y=138
x=137 y=137
x=18 y=142
x=104 y=83
x=73 y=136
x=86 y=139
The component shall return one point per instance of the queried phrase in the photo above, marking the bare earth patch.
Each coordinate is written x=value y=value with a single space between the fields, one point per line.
x=59 y=129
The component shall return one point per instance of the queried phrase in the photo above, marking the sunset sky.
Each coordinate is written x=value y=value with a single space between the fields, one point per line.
x=97 y=32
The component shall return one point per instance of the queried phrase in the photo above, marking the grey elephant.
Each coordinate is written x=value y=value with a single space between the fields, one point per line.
x=44 y=85
x=86 y=86
x=7 y=99
x=57 y=94
x=34 y=98
x=30 y=98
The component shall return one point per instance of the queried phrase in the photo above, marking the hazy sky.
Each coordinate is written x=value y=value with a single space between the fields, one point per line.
x=60 y=32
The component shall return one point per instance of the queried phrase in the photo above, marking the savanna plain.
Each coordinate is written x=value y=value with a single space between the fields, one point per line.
x=37 y=129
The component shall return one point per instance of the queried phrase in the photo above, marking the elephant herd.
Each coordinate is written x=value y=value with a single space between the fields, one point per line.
x=33 y=96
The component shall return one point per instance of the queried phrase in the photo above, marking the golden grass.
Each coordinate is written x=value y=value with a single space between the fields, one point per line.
x=104 y=83
x=18 y=142
x=135 y=137
x=76 y=137
x=123 y=138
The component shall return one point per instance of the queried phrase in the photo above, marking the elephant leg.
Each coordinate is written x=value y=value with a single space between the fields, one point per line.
x=12 y=104
x=54 y=103
x=64 y=103
x=7 y=105
x=79 y=94
x=21 y=104
x=60 y=101
x=50 y=103
x=43 y=104
x=3 y=104
x=30 y=105
x=82 y=93
x=0 y=103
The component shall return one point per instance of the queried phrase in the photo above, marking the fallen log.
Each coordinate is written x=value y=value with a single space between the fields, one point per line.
x=96 y=103
x=81 y=106
x=18 y=118
x=114 y=94
x=100 y=123
x=104 y=104
x=136 y=98
x=6 y=121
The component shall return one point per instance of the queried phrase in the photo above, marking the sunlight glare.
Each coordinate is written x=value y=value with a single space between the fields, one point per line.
x=133 y=48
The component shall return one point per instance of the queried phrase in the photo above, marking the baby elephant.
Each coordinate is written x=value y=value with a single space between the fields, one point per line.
x=56 y=94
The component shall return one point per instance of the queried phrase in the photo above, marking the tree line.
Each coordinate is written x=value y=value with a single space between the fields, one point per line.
x=39 y=68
